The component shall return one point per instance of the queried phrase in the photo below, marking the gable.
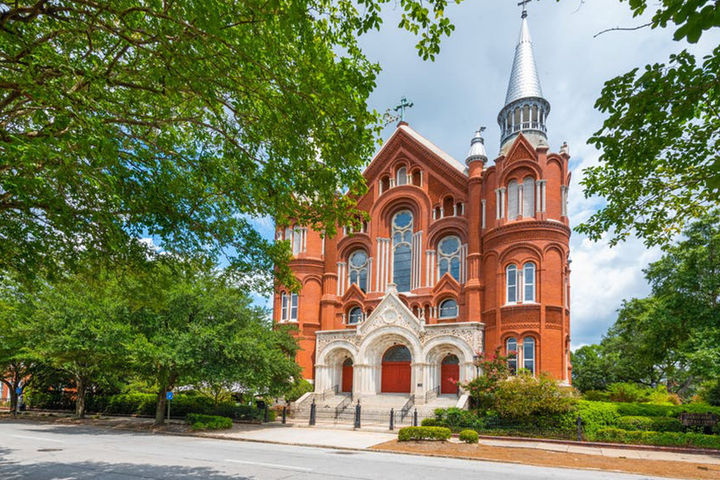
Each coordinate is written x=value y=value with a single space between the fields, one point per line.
x=521 y=149
x=391 y=311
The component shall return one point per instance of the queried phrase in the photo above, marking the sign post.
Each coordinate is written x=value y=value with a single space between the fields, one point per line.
x=18 y=392
x=169 y=397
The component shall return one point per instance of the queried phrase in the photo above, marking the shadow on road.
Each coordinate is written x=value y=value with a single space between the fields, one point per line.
x=107 y=471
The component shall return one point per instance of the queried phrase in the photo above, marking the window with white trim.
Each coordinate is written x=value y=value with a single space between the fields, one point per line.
x=402 y=176
x=513 y=193
x=528 y=197
x=402 y=228
x=448 y=253
x=288 y=307
x=297 y=236
x=511 y=352
x=358 y=269
x=528 y=354
x=528 y=282
x=355 y=315
x=448 y=308
x=511 y=284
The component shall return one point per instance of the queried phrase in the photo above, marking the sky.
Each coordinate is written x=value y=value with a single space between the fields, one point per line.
x=464 y=88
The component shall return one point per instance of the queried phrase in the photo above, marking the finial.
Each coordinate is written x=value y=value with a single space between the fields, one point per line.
x=524 y=3
x=401 y=108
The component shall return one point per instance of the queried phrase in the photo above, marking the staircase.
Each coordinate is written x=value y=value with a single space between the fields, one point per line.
x=339 y=409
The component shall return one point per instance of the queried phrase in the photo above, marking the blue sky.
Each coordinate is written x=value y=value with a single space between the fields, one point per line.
x=464 y=88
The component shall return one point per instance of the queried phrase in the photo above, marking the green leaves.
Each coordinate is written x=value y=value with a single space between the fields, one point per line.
x=183 y=121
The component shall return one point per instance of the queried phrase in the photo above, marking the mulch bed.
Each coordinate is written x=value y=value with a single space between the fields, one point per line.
x=547 y=458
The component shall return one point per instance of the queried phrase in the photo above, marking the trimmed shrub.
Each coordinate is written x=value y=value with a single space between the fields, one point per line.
x=650 y=424
x=629 y=392
x=524 y=397
x=469 y=436
x=596 y=396
x=668 y=439
x=423 y=433
x=430 y=422
x=208 y=422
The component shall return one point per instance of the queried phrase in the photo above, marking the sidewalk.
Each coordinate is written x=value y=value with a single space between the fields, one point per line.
x=363 y=439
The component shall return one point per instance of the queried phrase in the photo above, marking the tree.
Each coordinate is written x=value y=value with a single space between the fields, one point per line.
x=79 y=326
x=192 y=325
x=592 y=368
x=660 y=161
x=182 y=120
x=671 y=337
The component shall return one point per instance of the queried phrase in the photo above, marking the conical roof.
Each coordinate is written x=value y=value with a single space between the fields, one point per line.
x=524 y=80
x=477 y=148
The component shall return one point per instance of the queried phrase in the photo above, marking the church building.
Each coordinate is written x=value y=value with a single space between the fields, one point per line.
x=458 y=259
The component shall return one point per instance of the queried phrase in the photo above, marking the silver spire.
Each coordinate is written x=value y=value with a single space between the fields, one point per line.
x=524 y=80
x=525 y=107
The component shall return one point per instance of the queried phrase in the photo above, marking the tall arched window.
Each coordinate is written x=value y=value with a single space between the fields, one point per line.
x=449 y=257
x=511 y=352
x=529 y=282
x=512 y=200
x=511 y=284
x=528 y=197
x=402 y=228
x=289 y=307
x=529 y=354
x=358 y=267
x=448 y=308
x=402 y=176
x=355 y=315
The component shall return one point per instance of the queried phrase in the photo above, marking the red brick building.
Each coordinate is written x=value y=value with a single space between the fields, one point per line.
x=458 y=258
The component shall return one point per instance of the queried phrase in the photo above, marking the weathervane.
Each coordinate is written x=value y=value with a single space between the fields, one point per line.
x=401 y=108
x=524 y=3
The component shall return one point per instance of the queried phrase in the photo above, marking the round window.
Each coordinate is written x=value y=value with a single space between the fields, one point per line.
x=403 y=219
x=449 y=245
x=358 y=259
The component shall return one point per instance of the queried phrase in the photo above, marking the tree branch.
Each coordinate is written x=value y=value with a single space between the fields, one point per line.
x=622 y=29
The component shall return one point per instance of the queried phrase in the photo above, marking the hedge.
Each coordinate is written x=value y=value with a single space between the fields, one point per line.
x=469 y=436
x=650 y=424
x=423 y=433
x=668 y=439
x=208 y=422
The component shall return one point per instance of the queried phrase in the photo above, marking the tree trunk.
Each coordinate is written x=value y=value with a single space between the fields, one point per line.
x=13 y=400
x=160 y=406
x=80 y=401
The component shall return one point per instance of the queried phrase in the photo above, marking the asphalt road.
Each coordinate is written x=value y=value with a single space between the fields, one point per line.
x=40 y=451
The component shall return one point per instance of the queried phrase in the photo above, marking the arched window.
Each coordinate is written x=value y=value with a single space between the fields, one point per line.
x=402 y=176
x=448 y=308
x=355 y=315
x=402 y=228
x=398 y=353
x=512 y=200
x=529 y=282
x=449 y=257
x=511 y=352
x=528 y=197
x=358 y=269
x=384 y=184
x=450 y=359
x=417 y=178
x=511 y=284
x=529 y=354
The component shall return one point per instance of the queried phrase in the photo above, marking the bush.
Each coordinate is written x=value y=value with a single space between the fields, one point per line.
x=431 y=422
x=469 y=436
x=650 y=424
x=423 y=433
x=629 y=392
x=710 y=392
x=457 y=418
x=668 y=439
x=300 y=388
x=208 y=422
x=524 y=397
x=597 y=396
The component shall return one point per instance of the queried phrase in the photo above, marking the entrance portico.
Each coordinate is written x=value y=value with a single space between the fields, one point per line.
x=393 y=351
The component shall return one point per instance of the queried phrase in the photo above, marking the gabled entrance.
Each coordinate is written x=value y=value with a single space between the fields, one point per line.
x=396 y=370
x=449 y=374
x=347 y=375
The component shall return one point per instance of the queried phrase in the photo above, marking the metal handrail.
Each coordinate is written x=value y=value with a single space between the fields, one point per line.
x=343 y=405
x=432 y=393
x=406 y=408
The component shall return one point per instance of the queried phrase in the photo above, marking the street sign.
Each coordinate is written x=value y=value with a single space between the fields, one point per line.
x=169 y=395
x=18 y=390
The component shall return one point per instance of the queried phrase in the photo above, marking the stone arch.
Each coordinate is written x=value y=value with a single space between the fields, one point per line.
x=329 y=364
x=437 y=349
x=372 y=349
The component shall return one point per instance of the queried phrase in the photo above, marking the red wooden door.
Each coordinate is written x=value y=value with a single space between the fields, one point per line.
x=347 y=378
x=449 y=376
x=396 y=377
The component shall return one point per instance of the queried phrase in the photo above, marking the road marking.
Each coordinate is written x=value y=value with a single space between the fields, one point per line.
x=271 y=465
x=38 y=438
